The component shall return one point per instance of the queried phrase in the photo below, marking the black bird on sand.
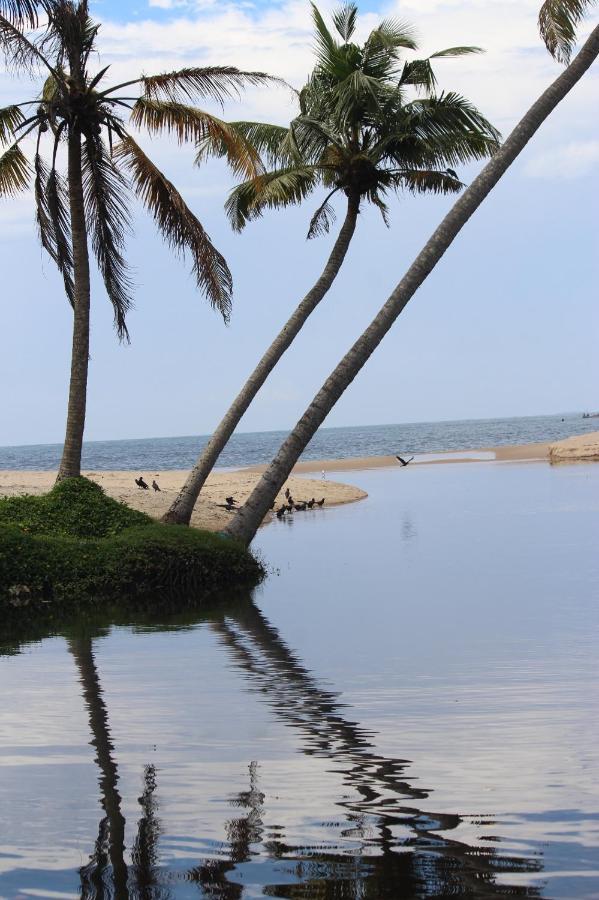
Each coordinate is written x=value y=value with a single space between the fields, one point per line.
x=287 y=493
x=300 y=507
x=404 y=462
x=231 y=501
x=320 y=502
x=311 y=503
x=281 y=512
x=155 y=485
x=141 y=484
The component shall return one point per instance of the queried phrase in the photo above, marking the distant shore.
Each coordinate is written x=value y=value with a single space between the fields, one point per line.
x=580 y=447
x=211 y=514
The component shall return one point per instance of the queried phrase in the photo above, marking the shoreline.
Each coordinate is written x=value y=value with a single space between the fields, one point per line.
x=210 y=513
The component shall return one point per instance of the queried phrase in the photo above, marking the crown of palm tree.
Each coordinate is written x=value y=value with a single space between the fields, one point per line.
x=369 y=123
x=73 y=99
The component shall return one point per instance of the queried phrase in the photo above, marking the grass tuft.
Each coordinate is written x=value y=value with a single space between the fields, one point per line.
x=76 y=546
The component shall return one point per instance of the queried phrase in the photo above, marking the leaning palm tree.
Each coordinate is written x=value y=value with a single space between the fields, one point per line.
x=360 y=134
x=104 y=163
x=558 y=20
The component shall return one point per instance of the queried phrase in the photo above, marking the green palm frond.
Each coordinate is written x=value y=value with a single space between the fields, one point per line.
x=15 y=172
x=179 y=227
x=51 y=206
x=558 y=21
x=216 y=82
x=427 y=182
x=420 y=74
x=191 y=124
x=344 y=20
x=273 y=190
x=266 y=140
x=455 y=51
x=445 y=129
x=106 y=196
x=10 y=118
x=383 y=46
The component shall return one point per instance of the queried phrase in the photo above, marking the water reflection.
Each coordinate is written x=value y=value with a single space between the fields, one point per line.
x=398 y=846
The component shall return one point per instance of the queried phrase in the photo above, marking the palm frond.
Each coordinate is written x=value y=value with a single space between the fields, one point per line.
x=216 y=82
x=381 y=205
x=427 y=182
x=19 y=52
x=19 y=12
x=420 y=74
x=558 y=20
x=344 y=20
x=455 y=51
x=273 y=190
x=191 y=124
x=51 y=205
x=15 y=172
x=383 y=46
x=323 y=218
x=180 y=228
x=266 y=140
x=106 y=198
x=10 y=118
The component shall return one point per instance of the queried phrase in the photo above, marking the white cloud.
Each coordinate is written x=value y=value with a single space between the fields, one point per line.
x=574 y=160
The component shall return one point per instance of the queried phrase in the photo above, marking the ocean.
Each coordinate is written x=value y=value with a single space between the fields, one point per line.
x=329 y=443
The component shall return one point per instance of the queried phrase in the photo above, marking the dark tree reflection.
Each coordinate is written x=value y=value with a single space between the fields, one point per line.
x=389 y=846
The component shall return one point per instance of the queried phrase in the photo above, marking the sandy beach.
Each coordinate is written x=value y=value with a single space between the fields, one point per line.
x=210 y=512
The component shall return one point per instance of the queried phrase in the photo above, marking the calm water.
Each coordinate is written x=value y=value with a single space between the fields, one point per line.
x=328 y=443
x=408 y=707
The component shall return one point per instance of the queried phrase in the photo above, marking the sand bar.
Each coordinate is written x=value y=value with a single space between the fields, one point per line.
x=207 y=514
x=584 y=446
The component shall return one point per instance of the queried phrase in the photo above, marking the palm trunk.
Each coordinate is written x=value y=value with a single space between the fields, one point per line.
x=247 y=521
x=70 y=464
x=182 y=508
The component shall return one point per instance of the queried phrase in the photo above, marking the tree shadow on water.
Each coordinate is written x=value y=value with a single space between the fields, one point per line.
x=388 y=846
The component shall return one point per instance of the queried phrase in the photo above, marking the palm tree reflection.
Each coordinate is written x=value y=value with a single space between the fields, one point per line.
x=398 y=850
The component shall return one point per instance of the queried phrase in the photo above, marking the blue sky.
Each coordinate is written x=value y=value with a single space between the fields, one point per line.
x=506 y=325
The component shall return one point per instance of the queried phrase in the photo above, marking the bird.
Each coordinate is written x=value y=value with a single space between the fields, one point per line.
x=311 y=503
x=281 y=511
x=453 y=173
x=287 y=493
x=300 y=507
x=155 y=485
x=320 y=502
x=141 y=483
x=231 y=501
x=404 y=462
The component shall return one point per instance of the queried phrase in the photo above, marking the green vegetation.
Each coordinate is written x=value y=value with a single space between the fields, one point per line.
x=76 y=546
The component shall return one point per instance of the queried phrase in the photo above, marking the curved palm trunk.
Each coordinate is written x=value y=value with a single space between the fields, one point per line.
x=70 y=464
x=247 y=521
x=182 y=508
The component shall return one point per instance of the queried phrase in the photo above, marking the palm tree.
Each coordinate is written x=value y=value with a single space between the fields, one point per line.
x=558 y=19
x=104 y=164
x=359 y=135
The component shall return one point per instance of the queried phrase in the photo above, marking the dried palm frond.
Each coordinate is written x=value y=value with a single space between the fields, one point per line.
x=180 y=228
x=51 y=206
x=106 y=197
x=558 y=20
x=191 y=124
x=216 y=82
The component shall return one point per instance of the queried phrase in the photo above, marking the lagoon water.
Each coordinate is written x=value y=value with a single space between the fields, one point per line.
x=249 y=448
x=407 y=707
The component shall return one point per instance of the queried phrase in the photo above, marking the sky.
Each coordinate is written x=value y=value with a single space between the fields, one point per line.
x=507 y=324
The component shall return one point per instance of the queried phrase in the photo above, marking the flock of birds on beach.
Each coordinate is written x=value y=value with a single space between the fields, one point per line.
x=290 y=506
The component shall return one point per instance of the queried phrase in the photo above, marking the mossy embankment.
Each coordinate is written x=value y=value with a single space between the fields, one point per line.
x=75 y=546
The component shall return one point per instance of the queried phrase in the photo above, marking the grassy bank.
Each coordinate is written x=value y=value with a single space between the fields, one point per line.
x=75 y=546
